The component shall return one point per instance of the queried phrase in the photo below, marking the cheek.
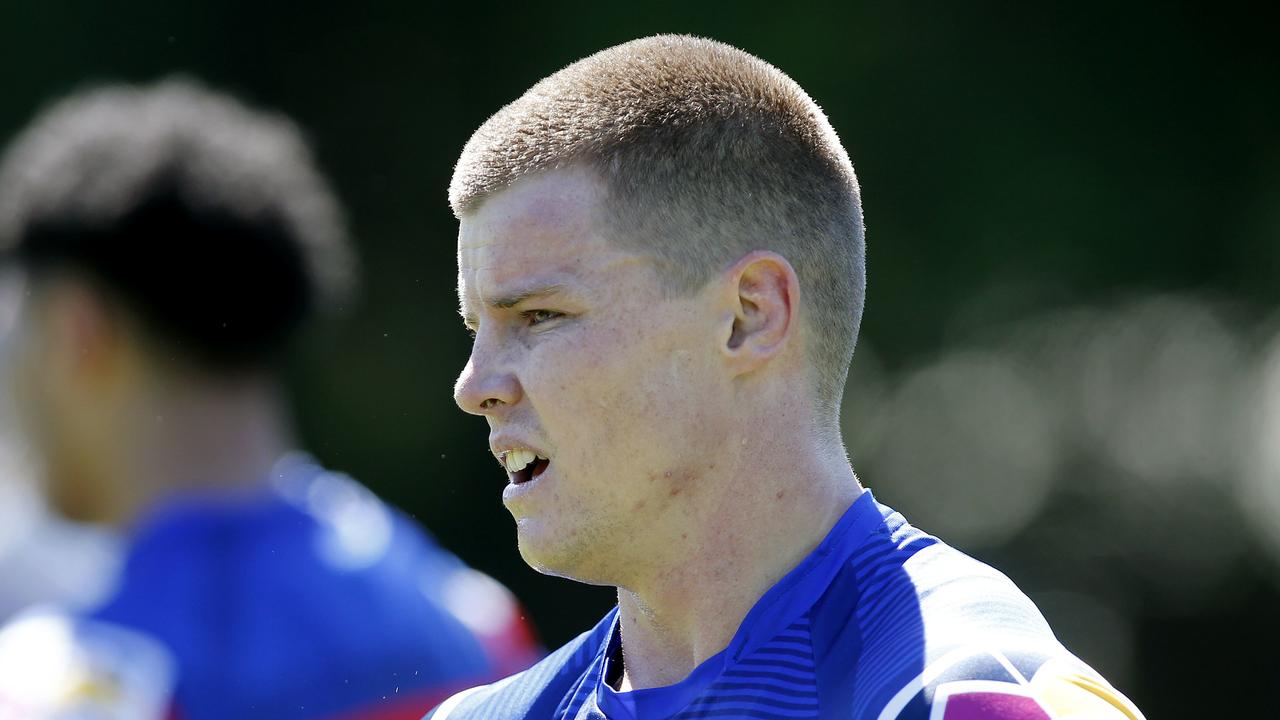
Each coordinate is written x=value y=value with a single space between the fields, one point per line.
x=582 y=392
x=622 y=397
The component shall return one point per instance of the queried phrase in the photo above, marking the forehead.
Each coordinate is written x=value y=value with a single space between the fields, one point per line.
x=540 y=230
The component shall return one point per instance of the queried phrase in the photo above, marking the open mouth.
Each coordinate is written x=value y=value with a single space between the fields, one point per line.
x=523 y=465
x=531 y=472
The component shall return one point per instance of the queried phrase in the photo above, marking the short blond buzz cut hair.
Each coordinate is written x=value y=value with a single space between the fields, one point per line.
x=707 y=153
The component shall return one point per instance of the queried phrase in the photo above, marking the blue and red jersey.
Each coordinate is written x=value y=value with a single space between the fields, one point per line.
x=309 y=598
x=880 y=622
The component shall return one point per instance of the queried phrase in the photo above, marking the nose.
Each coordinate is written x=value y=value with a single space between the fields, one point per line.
x=484 y=387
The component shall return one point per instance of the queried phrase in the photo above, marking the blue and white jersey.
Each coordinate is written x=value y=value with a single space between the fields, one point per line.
x=304 y=598
x=880 y=621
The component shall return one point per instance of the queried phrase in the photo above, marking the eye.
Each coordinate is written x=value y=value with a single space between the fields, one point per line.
x=538 y=317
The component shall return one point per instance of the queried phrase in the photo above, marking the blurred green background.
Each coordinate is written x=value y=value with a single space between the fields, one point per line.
x=1069 y=363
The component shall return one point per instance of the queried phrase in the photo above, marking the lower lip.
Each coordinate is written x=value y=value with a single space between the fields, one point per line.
x=513 y=492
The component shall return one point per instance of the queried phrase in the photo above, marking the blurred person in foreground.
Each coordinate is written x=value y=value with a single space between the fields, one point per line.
x=661 y=257
x=172 y=242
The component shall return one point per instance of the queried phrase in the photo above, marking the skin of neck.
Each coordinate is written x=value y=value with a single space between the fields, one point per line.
x=167 y=428
x=216 y=436
x=773 y=500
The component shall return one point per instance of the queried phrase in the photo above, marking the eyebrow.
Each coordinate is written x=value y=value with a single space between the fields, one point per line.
x=510 y=301
x=506 y=302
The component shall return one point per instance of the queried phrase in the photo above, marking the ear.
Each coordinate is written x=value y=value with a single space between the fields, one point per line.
x=83 y=340
x=763 y=291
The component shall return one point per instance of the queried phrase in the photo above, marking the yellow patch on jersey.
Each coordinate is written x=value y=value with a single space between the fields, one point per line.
x=1070 y=693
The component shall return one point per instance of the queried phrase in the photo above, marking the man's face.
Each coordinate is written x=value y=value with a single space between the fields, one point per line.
x=51 y=411
x=579 y=357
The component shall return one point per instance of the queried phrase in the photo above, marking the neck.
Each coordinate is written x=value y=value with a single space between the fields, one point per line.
x=213 y=436
x=775 y=508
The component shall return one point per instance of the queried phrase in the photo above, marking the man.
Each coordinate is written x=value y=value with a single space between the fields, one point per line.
x=172 y=242
x=661 y=259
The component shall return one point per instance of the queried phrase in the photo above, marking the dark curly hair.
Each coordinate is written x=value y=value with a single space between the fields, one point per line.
x=207 y=219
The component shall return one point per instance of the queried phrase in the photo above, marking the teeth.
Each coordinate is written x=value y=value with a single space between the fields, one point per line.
x=517 y=460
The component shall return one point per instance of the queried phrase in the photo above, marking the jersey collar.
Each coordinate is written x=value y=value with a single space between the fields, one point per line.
x=779 y=607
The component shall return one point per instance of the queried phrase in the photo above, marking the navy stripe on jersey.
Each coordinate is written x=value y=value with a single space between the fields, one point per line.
x=887 y=616
x=778 y=680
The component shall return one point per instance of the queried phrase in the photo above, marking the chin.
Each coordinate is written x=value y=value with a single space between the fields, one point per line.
x=560 y=553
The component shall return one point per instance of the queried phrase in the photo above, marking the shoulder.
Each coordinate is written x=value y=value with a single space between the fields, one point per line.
x=992 y=683
x=905 y=582
x=936 y=634
x=249 y=595
x=426 y=601
x=536 y=692
x=53 y=664
x=988 y=652
x=903 y=592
